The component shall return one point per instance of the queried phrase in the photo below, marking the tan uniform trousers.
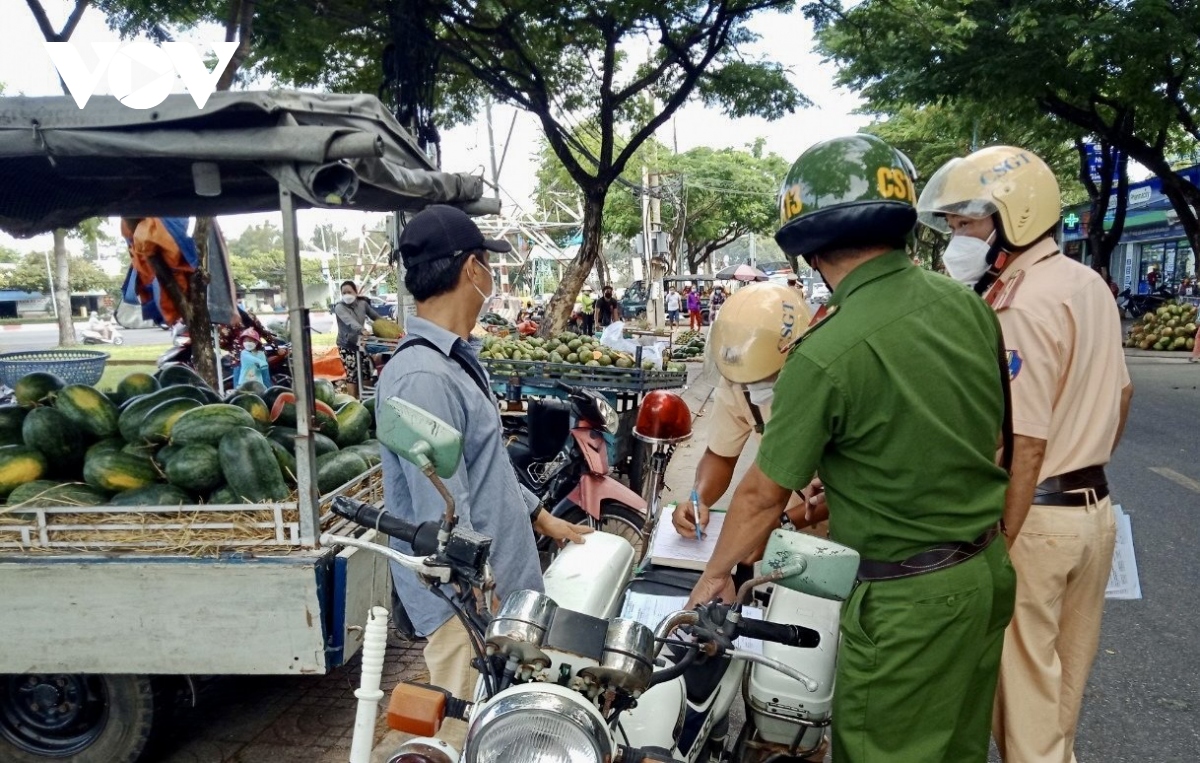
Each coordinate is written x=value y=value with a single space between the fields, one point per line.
x=448 y=656
x=1063 y=556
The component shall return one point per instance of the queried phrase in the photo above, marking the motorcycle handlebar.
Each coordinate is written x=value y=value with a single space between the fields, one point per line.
x=788 y=635
x=422 y=537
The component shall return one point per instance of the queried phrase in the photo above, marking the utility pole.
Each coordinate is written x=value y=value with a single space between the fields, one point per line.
x=753 y=253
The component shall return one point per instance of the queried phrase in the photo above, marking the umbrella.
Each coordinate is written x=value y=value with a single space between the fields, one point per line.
x=742 y=272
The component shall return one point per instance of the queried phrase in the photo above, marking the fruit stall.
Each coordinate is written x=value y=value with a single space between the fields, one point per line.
x=161 y=530
x=1170 y=328
x=522 y=367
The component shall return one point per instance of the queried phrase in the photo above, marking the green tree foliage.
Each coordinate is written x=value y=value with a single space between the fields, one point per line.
x=9 y=256
x=256 y=257
x=30 y=275
x=1124 y=72
x=566 y=63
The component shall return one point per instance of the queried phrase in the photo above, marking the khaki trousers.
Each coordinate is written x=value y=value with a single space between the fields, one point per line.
x=448 y=656
x=1063 y=556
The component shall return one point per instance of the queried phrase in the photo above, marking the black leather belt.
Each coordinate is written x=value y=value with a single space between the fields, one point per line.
x=1057 y=491
x=937 y=558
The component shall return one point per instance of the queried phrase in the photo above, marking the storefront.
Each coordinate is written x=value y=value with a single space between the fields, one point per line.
x=1152 y=238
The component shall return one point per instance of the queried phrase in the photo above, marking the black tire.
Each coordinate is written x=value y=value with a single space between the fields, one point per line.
x=108 y=718
x=615 y=518
x=639 y=466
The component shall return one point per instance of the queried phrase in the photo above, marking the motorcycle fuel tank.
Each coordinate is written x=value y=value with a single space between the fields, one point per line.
x=591 y=577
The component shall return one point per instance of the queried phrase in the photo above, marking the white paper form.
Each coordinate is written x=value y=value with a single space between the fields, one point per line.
x=670 y=549
x=1123 y=581
x=650 y=610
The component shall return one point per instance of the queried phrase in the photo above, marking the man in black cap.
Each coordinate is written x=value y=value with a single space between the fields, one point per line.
x=446 y=270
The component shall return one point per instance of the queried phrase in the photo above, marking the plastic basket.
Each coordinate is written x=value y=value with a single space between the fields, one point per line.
x=72 y=366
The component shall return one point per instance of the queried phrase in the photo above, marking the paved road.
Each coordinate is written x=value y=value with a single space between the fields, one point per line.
x=1142 y=701
x=44 y=336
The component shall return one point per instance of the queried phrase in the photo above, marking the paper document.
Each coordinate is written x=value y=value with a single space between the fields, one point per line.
x=1123 y=582
x=670 y=549
x=650 y=610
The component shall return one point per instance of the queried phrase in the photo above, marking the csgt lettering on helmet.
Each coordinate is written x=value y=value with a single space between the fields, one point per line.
x=789 y=323
x=790 y=203
x=894 y=183
x=1003 y=168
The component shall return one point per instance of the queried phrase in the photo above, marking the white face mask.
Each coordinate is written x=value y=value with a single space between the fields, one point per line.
x=487 y=298
x=251 y=346
x=966 y=258
x=349 y=299
x=762 y=392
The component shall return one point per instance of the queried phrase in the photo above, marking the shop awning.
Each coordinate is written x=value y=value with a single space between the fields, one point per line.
x=60 y=164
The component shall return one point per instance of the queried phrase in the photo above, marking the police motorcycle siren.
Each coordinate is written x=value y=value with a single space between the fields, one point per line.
x=664 y=420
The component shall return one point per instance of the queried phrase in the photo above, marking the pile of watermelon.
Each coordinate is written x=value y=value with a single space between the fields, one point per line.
x=170 y=440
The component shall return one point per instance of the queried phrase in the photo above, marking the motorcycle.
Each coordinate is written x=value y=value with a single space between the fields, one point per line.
x=1137 y=305
x=92 y=336
x=559 y=452
x=562 y=678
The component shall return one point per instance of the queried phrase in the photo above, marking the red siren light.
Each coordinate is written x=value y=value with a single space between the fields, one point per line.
x=663 y=418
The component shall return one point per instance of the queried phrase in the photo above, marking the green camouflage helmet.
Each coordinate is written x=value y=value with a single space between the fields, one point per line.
x=847 y=192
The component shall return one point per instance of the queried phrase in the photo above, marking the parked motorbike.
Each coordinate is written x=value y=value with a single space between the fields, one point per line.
x=560 y=454
x=564 y=680
x=91 y=336
x=1137 y=305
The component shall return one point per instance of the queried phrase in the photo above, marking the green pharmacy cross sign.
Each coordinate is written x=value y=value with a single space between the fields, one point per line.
x=1071 y=220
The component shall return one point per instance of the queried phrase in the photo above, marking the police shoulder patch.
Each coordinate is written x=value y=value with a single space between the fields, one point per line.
x=1014 y=364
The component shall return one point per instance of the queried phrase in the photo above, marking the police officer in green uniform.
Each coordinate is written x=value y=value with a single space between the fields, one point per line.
x=897 y=399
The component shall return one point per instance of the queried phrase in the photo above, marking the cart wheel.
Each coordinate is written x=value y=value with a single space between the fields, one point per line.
x=83 y=718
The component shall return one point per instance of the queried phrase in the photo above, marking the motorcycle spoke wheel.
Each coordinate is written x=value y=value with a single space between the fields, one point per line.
x=617 y=519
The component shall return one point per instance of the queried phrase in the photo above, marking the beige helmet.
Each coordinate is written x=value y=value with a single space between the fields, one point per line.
x=1013 y=183
x=752 y=330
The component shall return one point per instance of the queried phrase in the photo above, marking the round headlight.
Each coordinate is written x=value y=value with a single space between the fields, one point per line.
x=538 y=723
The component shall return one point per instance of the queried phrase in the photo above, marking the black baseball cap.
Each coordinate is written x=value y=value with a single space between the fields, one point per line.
x=442 y=231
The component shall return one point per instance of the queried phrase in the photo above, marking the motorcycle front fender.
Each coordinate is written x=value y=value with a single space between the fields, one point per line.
x=593 y=490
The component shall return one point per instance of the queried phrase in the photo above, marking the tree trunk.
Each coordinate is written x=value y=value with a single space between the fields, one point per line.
x=62 y=290
x=602 y=271
x=195 y=311
x=558 y=312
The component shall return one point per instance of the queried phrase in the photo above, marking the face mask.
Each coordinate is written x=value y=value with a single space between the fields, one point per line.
x=487 y=298
x=762 y=392
x=348 y=299
x=251 y=346
x=966 y=258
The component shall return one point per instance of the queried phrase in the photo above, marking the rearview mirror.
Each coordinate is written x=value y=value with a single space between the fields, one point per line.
x=820 y=567
x=419 y=437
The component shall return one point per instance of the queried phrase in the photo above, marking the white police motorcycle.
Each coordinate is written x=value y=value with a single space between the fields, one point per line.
x=565 y=679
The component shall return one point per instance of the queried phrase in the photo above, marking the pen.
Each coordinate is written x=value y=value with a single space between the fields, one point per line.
x=696 y=508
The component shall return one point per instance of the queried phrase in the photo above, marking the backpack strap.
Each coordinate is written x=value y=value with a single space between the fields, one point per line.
x=420 y=341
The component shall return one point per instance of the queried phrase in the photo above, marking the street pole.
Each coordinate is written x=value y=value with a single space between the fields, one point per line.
x=50 y=280
x=753 y=256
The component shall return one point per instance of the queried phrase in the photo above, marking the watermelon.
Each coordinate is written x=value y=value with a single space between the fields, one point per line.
x=195 y=468
x=153 y=495
x=134 y=411
x=208 y=425
x=12 y=416
x=354 y=424
x=36 y=388
x=41 y=493
x=324 y=391
x=250 y=467
x=159 y=423
x=88 y=410
x=286 y=461
x=19 y=464
x=336 y=469
x=178 y=374
x=137 y=384
x=48 y=430
x=253 y=386
x=256 y=407
x=116 y=472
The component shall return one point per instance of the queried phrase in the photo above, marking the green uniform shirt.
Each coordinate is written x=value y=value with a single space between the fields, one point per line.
x=895 y=399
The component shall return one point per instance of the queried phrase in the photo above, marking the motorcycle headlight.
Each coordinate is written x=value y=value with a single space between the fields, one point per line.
x=538 y=723
x=609 y=414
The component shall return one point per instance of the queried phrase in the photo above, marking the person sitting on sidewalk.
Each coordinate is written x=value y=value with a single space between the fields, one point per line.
x=746 y=344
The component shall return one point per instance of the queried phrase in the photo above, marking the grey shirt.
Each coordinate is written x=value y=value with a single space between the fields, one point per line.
x=351 y=319
x=489 y=499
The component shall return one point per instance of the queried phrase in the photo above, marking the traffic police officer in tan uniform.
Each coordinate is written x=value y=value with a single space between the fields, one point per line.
x=1071 y=393
x=896 y=398
x=746 y=345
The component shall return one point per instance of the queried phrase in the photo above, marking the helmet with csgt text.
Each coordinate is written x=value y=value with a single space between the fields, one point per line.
x=757 y=323
x=848 y=192
x=1012 y=183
